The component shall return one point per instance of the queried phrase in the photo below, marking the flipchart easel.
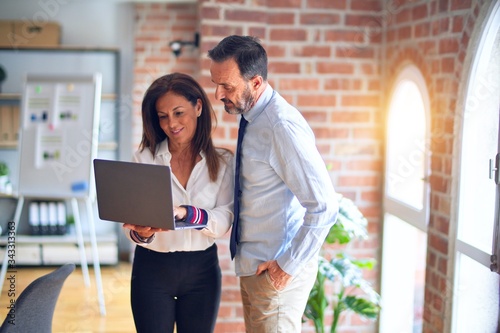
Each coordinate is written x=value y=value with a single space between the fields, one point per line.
x=57 y=144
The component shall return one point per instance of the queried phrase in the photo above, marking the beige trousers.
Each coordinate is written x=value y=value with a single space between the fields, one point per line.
x=267 y=310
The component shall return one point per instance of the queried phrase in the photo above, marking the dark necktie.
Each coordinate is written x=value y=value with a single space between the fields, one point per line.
x=237 y=191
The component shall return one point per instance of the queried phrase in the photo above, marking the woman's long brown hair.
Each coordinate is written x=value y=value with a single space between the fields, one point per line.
x=182 y=85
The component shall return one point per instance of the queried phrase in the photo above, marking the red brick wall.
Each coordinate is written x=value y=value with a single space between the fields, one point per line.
x=156 y=25
x=336 y=61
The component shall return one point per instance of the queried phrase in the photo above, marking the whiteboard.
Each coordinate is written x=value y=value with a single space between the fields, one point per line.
x=58 y=135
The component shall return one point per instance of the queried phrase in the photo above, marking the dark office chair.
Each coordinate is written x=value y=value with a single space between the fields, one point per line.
x=34 y=308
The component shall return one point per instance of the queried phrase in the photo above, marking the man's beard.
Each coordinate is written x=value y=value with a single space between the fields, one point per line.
x=246 y=103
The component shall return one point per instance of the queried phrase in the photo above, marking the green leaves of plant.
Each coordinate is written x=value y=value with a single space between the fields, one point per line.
x=350 y=225
x=4 y=169
x=317 y=303
x=352 y=292
x=361 y=306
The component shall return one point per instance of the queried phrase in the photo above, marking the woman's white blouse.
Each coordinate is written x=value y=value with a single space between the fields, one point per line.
x=215 y=197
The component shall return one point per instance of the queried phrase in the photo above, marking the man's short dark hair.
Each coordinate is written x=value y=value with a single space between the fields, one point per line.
x=248 y=53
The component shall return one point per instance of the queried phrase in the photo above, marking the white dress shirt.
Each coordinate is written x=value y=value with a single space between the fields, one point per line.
x=288 y=203
x=215 y=197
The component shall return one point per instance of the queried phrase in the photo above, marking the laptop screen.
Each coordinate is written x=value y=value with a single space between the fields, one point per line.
x=134 y=193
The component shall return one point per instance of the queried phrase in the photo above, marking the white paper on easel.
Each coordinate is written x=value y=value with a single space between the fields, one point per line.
x=39 y=98
x=49 y=146
x=69 y=103
x=57 y=147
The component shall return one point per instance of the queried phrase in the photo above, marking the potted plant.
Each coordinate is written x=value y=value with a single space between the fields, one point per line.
x=4 y=169
x=4 y=176
x=351 y=291
x=70 y=225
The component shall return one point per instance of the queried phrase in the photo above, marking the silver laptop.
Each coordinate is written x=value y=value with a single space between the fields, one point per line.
x=136 y=193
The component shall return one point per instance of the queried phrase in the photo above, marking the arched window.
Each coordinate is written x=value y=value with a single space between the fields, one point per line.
x=406 y=204
x=476 y=287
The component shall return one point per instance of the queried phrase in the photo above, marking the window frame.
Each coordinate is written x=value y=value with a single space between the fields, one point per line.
x=412 y=216
x=417 y=218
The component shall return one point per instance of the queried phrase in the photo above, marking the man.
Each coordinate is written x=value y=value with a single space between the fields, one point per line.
x=287 y=203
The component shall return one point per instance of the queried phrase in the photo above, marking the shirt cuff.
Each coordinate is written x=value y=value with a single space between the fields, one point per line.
x=141 y=240
x=196 y=215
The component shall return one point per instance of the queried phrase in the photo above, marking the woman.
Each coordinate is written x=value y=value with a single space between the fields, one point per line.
x=176 y=277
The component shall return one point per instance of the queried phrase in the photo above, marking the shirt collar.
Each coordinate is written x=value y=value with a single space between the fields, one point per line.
x=260 y=105
x=164 y=151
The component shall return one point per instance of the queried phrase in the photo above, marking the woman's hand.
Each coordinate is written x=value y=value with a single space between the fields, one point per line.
x=144 y=232
x=180 y=213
